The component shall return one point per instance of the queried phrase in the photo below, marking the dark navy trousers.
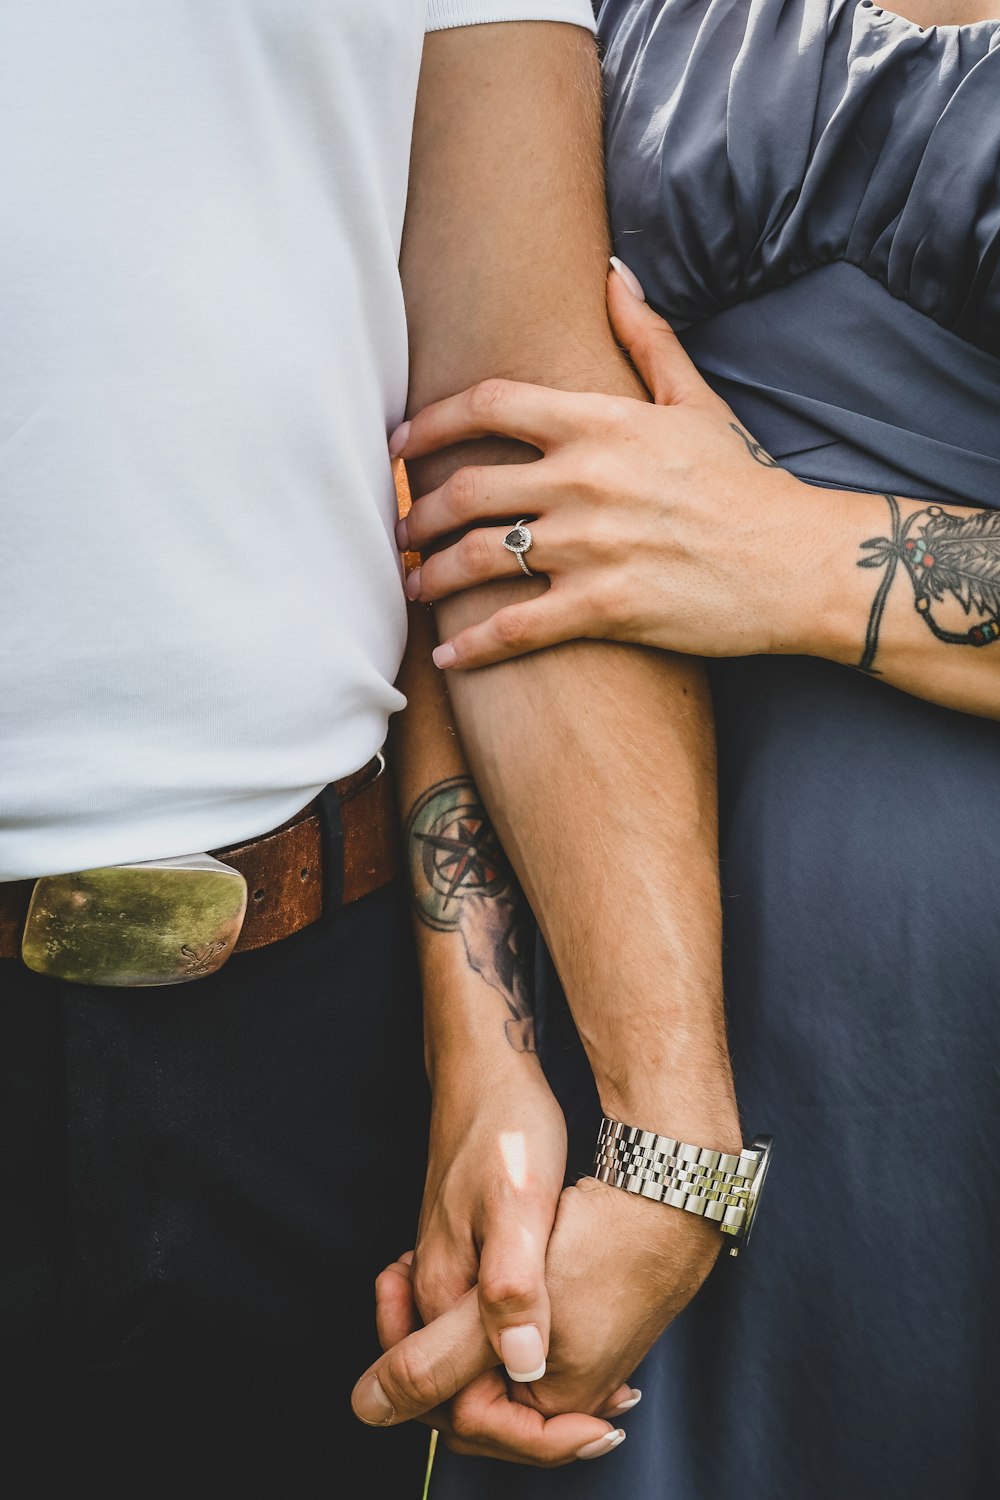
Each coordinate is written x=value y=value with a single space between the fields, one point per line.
x=198 y=1186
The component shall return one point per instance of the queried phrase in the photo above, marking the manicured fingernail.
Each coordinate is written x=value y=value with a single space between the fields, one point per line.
x=402 y=535
x=603 y=1445
x=398 y=440
x=444 y=656
x=522 y=1349
x=412 y=584
x=372 y=1404
x=630 y=279
x=623 y=1406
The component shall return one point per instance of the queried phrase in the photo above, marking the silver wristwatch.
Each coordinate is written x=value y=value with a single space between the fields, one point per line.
x=712 y=1184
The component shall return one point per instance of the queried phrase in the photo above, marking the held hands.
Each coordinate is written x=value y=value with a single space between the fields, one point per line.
x=478 y=1280
x=615 y=1268
x=567 y=1288
x=618 y=1270
x=664 y=524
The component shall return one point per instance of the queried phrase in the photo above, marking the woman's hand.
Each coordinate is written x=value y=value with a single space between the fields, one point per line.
x=667 y=525
x=495 y=1173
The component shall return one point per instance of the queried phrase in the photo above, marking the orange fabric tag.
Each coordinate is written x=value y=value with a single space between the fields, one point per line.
x=411 y=560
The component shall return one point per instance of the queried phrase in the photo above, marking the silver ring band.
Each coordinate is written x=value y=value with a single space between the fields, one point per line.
x=519 y=541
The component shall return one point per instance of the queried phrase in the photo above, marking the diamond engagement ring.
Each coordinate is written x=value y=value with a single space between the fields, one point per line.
x=519 y=541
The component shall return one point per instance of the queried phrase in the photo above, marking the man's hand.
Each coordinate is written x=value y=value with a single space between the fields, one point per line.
x=619 y=1270
x=602 y=1327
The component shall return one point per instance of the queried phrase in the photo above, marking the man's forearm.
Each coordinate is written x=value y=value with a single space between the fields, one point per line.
x=595 y=761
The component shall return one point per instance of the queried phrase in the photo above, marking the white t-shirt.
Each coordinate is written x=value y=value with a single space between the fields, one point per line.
x=202 y=347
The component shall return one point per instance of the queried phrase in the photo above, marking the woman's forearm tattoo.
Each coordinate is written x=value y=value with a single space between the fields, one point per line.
x=461 y=882
x=946 y=557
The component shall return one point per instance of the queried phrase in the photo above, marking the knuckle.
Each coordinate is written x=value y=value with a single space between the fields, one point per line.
x=511 y=628
x=476 y=553
x=385 y=1281
x=424 y=1288
x=603 y=535
x=454 y=1444
x=412 y=1378
x=487 y=398
x=432 y=1293
x=465 y=1423
x=505 y=1286
x=429 y=577
x=463 y=487
x=595 y=476
x=616 y=413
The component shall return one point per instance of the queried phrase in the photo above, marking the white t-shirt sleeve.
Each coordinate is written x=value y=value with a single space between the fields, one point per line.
x=442 y=14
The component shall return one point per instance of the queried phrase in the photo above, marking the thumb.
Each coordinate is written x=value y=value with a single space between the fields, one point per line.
x=426 y=1368
x=652 y=345
x=513 y=1300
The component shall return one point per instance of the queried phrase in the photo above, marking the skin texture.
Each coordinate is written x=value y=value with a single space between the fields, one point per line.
x=946 y=12
x=595 y=763
x=634 y=521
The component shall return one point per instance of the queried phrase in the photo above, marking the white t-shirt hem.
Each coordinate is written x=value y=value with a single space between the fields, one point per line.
x=442 y=15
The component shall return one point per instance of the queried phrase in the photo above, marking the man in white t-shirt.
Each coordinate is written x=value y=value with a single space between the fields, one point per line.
x=214 y=1117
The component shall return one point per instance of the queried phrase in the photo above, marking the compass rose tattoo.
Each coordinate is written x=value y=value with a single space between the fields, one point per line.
x=947 y=558
x=461 y=882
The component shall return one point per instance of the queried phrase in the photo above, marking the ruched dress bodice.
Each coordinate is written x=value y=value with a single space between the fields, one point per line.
x=810 y=191
x=842 y=134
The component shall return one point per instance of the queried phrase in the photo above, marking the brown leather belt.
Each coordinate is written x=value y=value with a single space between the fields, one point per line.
x=283 y=870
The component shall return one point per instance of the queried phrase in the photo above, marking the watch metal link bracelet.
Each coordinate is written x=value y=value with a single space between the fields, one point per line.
x=715 y=1185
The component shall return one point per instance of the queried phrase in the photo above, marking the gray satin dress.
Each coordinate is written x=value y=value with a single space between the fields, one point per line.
x=810 y=189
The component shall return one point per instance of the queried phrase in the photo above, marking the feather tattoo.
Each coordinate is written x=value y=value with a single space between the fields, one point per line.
x=945 y=556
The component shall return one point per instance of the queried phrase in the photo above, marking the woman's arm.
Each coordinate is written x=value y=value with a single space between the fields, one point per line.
x=928 y=598
x=671 y=526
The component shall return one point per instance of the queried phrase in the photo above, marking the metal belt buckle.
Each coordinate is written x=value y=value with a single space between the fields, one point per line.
x=163 y=922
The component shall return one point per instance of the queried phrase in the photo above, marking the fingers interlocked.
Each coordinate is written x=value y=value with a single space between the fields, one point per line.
x=424 y=1368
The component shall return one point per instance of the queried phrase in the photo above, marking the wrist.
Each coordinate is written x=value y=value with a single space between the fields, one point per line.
x=699 y=1109
x=825 y=599
x=797 y=575
x=466 y=1064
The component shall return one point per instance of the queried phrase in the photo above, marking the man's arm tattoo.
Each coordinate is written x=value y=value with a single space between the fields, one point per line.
x=947 y=557
x=757 y=453
x=461 y=882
